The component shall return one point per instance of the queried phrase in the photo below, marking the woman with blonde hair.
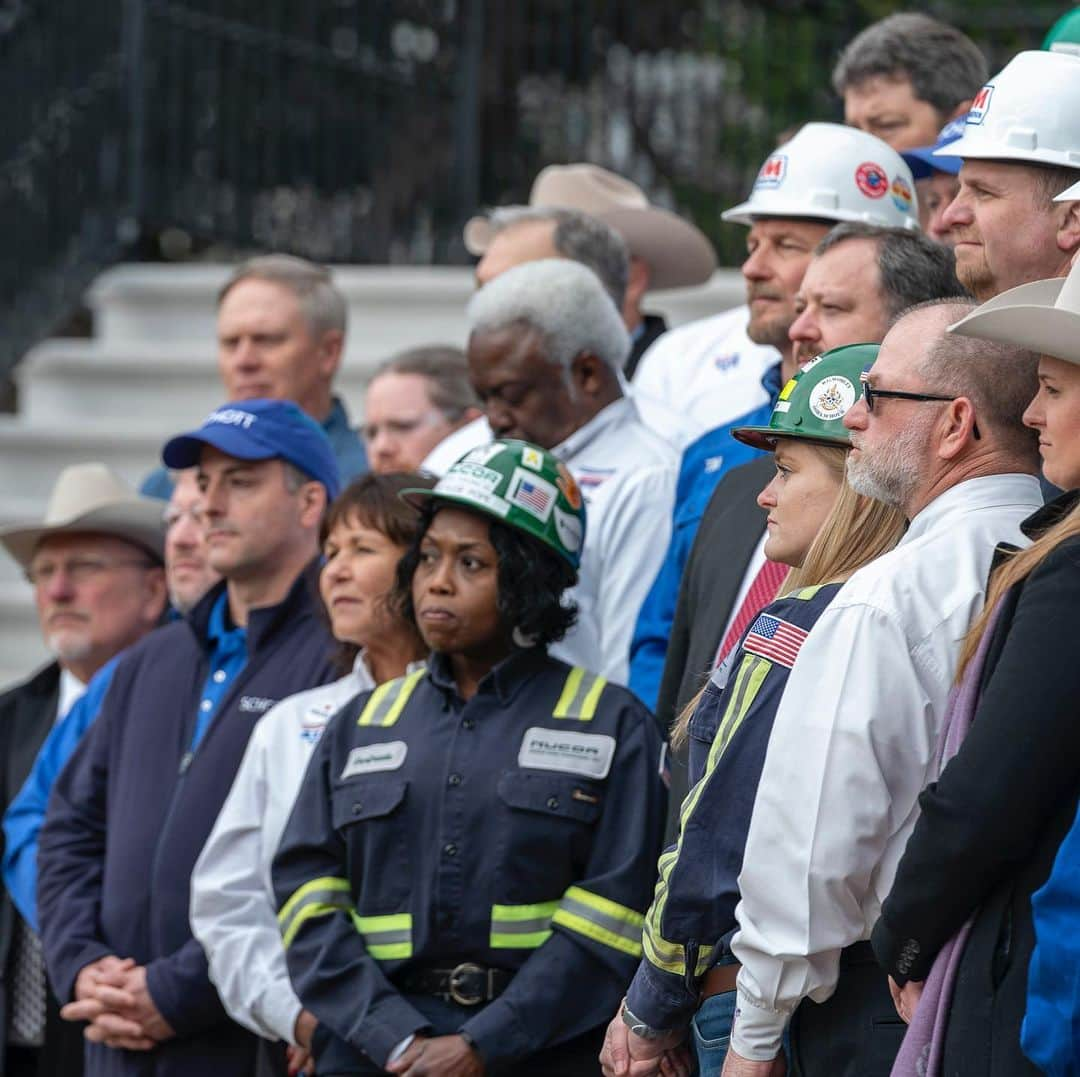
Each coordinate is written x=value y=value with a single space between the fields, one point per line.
x=825 y=531
x=959 y=917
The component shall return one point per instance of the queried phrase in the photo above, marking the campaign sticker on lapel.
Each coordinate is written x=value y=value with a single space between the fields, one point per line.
x=588 y=754
x=375 y=757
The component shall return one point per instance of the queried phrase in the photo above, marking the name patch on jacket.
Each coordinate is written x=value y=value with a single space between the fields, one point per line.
x=256 y=704
x=588 y=754
x=775 y=639
x=373 y=757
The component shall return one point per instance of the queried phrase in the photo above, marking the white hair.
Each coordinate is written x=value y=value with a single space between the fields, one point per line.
x=561 y=299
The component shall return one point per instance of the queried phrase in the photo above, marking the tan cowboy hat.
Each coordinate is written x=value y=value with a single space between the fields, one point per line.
x=91 y=498
x=678 y=254
x=1043 y=316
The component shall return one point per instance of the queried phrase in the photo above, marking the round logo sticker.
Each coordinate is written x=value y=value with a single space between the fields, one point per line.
x=831 y=398
x=871 y=180
x=571 y=490
x=901 y=194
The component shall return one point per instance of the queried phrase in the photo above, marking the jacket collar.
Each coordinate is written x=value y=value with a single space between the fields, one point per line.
x=1053 y=512
x=265 y=621
x=503 y=681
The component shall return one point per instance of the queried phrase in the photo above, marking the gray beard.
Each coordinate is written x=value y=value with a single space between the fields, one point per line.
x=892 y=473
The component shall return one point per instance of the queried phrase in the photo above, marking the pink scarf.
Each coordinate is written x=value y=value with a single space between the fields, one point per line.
x=921 y=1052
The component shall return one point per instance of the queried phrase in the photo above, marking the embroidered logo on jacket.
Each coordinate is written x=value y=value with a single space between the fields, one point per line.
x=255 y=704
x=589 y=754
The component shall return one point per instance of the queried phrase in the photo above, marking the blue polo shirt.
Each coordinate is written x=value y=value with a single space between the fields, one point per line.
x=228 y=656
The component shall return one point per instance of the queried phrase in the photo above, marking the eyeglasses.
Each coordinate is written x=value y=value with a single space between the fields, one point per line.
x=870 y=394
x=79 y=569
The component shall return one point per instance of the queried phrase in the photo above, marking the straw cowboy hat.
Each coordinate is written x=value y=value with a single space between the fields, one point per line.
x=91 y=498
x=678 y=254
x=1043 y=316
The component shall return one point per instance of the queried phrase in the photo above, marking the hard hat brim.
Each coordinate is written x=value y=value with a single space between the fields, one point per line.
x=765 y=437
x=976 y=148
x=1070 y=194
x=746 y=213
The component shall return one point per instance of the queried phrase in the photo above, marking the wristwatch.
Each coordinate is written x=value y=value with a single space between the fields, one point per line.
x=638 y=1027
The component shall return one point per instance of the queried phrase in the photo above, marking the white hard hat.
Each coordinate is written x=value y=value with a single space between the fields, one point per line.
x=834 y=173
x=1029 y=111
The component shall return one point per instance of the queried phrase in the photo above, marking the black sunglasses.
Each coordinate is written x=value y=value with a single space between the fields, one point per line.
x=870 y=394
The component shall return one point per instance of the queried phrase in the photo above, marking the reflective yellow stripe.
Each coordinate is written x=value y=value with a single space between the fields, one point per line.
x=600 y=919
x=386 y=703
x=580 y=695
x=752 y=673
x=788 y=389
x=521 y=927
x=806 y=593
x=387 y=938
x=327 y=894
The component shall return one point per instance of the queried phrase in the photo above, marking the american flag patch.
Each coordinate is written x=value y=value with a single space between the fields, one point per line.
x=531 y=494
x=770 y=637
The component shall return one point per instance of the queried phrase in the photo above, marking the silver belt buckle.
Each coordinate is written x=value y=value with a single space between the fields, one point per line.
x=457 y=975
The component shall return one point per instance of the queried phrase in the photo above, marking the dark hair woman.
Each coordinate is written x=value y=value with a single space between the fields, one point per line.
x=463 y=878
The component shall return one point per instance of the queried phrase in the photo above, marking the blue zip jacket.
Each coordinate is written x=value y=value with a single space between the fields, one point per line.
x=704 y=463
x=130 y=813
x=25 y=814
x=518 y=829
x=692 y=917
x=1050 y=1034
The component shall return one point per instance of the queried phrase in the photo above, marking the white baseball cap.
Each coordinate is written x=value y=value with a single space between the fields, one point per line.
x=835 y=173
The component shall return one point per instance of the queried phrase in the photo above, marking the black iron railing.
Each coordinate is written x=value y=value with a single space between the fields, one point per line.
x=369 y=130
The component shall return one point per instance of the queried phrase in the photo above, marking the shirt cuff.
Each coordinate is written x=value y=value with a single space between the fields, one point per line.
x=400 y=1049
x=758 y=1032
x=277 y=1011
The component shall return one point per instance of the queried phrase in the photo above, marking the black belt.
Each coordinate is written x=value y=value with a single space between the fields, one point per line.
x=468 y=984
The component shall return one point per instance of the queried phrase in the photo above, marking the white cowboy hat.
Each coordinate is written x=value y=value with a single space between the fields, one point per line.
x=678 y=254
x=1043 y=316
x=91 y=498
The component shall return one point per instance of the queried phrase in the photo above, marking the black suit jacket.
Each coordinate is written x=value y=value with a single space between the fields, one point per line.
x=654 y=326
x=27 y=713
x=729 y=530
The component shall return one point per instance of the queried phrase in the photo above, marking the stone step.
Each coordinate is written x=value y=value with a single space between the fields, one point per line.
x=390 y=307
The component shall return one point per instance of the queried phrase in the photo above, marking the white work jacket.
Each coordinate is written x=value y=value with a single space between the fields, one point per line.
x=627 y=477
x=853 y=745
x=233 y=914
x=704 y=374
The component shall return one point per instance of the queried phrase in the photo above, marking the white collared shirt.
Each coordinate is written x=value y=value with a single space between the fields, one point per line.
x=627 y=477
x=702 y=375
x=233 y=913
x=853 y=744
x=70 y=692
x=455 y=445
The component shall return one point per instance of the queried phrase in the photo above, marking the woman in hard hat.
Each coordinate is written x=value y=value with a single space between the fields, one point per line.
x=960 y=925
x=233 y=913
x=463 y=878
x=825 y=531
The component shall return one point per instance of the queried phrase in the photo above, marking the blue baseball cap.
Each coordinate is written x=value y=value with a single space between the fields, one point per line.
x=922 y=161
x=261 y=430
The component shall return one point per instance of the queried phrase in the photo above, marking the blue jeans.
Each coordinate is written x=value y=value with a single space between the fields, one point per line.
x=711 y=1029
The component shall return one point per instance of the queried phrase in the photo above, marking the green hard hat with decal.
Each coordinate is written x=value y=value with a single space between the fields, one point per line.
x=813 y=404
x=1066 y=31
x=522 y=486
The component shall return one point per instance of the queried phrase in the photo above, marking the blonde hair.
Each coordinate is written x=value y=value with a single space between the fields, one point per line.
x=857 y=530
x=1017 y=568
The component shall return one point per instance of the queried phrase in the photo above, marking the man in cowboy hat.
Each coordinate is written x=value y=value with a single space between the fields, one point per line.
x=664 y=250
x=95 y=565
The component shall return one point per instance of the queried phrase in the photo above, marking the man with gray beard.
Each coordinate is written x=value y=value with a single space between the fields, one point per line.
x=938 y=433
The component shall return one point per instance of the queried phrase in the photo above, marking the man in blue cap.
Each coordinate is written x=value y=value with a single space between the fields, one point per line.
x=129 y=814
x=936 y=180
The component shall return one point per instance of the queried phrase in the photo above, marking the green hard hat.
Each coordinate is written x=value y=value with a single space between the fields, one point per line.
x=522 y=486
x=1065 y=31
x=813 y=404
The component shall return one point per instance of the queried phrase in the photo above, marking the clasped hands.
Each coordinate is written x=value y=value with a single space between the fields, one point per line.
x=111 y=994
x=626 y=1054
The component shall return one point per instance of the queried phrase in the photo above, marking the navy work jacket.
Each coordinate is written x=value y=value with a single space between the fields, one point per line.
x=131 y=811
x=518 y=829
